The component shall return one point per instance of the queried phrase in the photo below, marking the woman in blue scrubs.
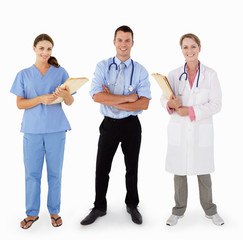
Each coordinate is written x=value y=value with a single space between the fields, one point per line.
x=44 y=127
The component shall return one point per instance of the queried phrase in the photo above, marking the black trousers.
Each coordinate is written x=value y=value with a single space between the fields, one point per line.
x=112 y=132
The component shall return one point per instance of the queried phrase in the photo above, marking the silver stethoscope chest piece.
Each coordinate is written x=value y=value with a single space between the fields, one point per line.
x=130 y=88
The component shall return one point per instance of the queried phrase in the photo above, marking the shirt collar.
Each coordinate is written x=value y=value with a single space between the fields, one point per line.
x=127 y=62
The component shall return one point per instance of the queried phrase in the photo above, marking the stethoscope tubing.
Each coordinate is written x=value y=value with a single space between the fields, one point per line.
x=113 y=62
x=198 y=75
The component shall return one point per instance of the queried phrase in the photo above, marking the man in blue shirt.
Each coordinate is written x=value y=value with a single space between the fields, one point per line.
x=122 y=88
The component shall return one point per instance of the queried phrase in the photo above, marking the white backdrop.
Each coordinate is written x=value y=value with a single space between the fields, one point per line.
x=83 y=35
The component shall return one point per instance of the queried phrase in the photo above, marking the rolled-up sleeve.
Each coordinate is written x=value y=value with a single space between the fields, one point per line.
x=143 y=89
x=98 y=80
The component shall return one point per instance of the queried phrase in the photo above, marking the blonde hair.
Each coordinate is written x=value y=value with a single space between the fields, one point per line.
x=192 y=36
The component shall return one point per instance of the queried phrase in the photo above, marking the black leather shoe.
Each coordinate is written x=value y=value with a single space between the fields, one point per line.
x=135 y=214
x=93 y=215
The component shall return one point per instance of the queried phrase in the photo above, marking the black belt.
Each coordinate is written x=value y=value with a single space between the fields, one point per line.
x=121 y=119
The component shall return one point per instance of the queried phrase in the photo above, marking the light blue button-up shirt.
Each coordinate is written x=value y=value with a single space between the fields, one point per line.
x=29 y=83
x=104 y=76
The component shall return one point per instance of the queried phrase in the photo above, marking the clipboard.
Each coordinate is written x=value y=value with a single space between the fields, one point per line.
x=74 y=84
x=164 y=84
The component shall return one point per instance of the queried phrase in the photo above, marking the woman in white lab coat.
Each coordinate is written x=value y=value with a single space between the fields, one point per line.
x=190 y=130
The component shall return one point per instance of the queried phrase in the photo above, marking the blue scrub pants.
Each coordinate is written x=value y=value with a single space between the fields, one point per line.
x=36 y=147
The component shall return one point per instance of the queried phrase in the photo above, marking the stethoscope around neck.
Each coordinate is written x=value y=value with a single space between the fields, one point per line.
x=113 y=62
x=185 y=73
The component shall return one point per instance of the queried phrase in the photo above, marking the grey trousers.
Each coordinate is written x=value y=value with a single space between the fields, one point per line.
x=205 y=192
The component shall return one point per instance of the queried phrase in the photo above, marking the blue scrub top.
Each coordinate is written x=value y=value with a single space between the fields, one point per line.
x=30 y=83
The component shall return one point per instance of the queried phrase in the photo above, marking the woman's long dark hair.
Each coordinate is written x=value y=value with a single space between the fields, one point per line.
x=52 y=60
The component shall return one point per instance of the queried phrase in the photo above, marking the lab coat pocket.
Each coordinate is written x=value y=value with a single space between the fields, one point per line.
x=202 y=96
x=174 y=134
x=205 y=135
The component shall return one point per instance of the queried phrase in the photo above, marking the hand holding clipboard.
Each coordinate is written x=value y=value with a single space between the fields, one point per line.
x=73 y=84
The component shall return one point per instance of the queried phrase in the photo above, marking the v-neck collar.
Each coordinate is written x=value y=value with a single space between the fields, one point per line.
x=42 y=76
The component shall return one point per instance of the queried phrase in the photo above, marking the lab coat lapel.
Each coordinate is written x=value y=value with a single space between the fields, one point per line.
x=188 y=84
x=201 y=77
x=194 y=86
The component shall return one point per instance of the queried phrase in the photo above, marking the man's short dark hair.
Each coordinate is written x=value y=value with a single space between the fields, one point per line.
x=123 y=28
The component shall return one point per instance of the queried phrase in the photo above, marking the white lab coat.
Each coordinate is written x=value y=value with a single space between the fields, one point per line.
x=190 y=143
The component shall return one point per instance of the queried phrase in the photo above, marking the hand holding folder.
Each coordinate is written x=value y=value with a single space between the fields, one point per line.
x=73 y=84
x=164 y=85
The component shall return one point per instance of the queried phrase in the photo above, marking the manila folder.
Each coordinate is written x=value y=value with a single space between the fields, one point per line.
x=74 y=84
x=164 y=84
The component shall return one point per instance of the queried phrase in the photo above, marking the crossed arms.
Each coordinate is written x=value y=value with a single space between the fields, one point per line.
x=129 y=102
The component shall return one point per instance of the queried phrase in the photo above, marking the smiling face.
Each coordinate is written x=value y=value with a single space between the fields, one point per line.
x=190 y=49
x=43 y=50
x=123 y=43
